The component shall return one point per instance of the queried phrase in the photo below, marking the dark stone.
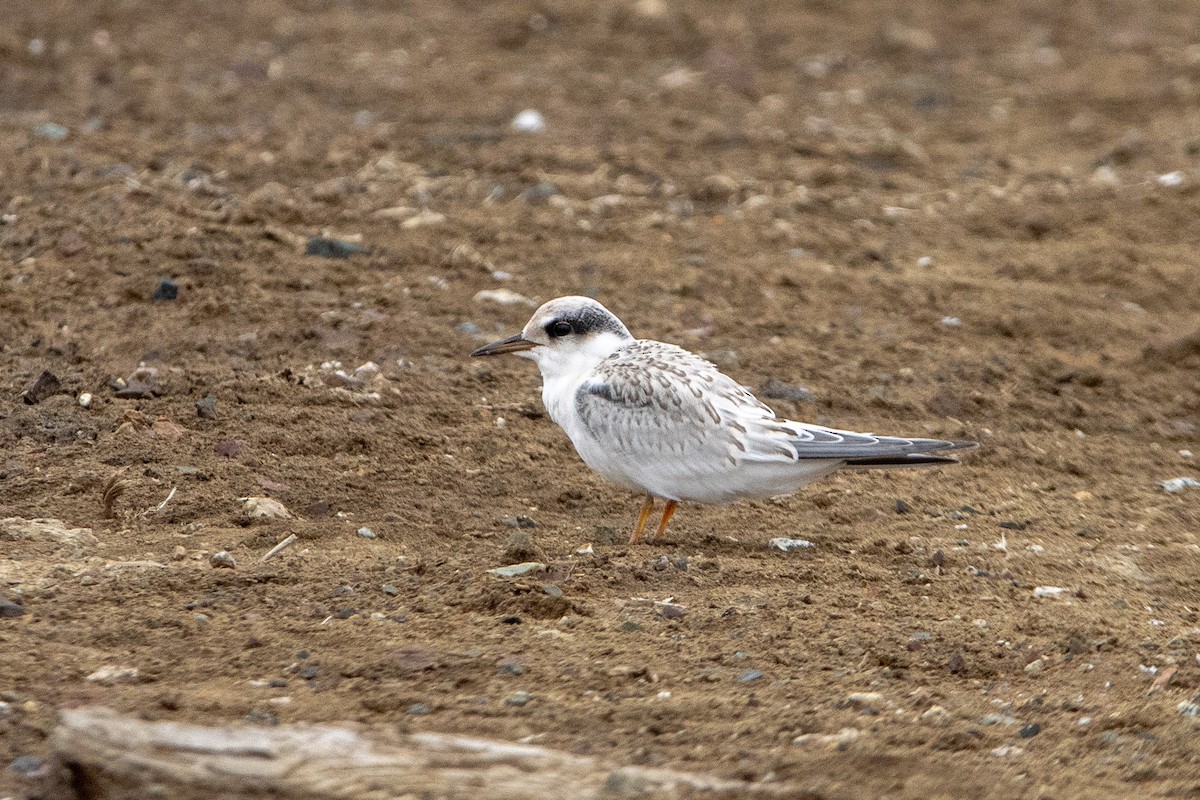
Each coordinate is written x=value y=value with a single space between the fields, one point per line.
x=1029 y=731
x=419 y=709
x=958 y=663
x=206 y=407
x=511 y=619
x=308 y=672
x=1013 y=526
x=776 y=389
x=902 y=507
x=43 y=386
x=538 y=194
x=167 y=289
x=10 y=610
x=333 y=248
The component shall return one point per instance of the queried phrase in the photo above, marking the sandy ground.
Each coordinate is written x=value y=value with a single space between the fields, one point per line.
x=943 y=219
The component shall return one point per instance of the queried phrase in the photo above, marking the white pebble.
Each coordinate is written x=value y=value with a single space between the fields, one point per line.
x=951 y=322
x=85 y=400
x=1178 y=484
x=504 y=297
x=925 y=261
x=1170 y=179
x=961 y=527
x=501 y=422
x=1049 y=591
x=1007 y=751
x=783 y=544
x=1185 y=453
x=1035 y=548
x=529 y=121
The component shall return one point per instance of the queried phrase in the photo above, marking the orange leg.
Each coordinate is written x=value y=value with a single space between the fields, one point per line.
x=668 y=510
x=647 y=507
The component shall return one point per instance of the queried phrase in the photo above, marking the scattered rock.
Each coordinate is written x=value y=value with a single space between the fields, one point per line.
x=1172 y=486
x=521 y=548
x=783 y=544
x=1049 y=591
x=333 y=248
x=10 y=610
x=519 y=521
x=30 y=767
x=518 y=699
x=229 y=448
x=16 y=529
x=52 y=131
x=529 y=121
x=1029 y=731
x=70 y=244
x=419 y=710
x=206 y=407
x=1007 y=751
x=141 y=384
x=840 y=740
x=538 y=194
x=390 y=590
x=865 y=700
x=902 y=507
x=85 y=400
x=517 y=570
x=1035 y=667
x=413 y=660
x=223 y=560
x=422 y=218
x=778 y=390
x=504 y=297
x=43 y=386
x=669 y=610
x=263 y=508
x=167 y=289
x=748 y=676
x=958 y=663
x=367 y=533
x=109 y=675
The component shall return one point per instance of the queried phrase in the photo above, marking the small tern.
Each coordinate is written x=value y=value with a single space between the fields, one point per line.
x=657 y=420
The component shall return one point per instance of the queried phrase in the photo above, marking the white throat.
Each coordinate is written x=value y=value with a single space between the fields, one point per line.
x=569 y=361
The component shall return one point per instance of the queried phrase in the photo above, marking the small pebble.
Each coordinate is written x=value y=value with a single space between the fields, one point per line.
x=10 y=610
x=333 y=248
x=528 y=121
x=390 y=590
x=517 y=570
x=206 y=407
x=223 y=560
x=419 y=709
x=167 y=289
x=1029 y=731
x=902 y=507
x=27 y=766
x=1170 y=179
x=1035 y=667
x=366 y=533
x=45 y=385
x=749 y=676
x=783 y=544
x=951 y=322
x=503 y=297
x=519 y=521
x=1175 y=485
x=518 y=699
x=86 y=399
x=1007 y=751
x=1049 y=591
x=52 y=131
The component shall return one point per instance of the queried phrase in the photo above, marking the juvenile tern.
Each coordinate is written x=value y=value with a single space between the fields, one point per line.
x=655 y=419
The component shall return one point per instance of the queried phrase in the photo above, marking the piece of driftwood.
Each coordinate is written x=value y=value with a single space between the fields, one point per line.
x=109 y=756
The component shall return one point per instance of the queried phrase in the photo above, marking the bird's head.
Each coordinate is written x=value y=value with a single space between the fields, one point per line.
x=565 y=335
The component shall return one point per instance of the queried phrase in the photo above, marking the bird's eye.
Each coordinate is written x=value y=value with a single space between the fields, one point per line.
x=559 y=328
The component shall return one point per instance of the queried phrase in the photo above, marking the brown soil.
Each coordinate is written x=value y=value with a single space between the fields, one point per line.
x=803 y=195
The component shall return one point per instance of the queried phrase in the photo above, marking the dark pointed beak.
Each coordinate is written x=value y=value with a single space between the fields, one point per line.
x=513 y=344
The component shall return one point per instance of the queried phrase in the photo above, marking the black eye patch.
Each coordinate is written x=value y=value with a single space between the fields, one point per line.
x=558 y=328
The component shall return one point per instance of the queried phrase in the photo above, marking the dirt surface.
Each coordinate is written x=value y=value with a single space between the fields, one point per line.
x=943 y=219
